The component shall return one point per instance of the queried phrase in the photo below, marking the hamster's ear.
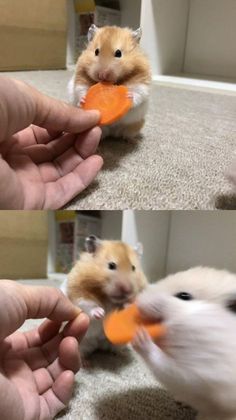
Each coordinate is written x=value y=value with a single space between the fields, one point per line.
x=137 y=35
x=139 y=249
x=91 y=244
x=91 y=32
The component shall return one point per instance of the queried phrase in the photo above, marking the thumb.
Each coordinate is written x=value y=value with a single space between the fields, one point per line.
x=22 y=105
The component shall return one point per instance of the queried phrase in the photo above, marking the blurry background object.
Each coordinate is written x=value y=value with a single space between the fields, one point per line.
x=23 y=244
x=68 y=231
x=72 y=228
x=87 y=12
x=33 y=34
x=189 y=42
x=41 y=245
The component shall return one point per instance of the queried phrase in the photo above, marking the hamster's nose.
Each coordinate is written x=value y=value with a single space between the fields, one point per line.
x=105 y=75
x=124 y=288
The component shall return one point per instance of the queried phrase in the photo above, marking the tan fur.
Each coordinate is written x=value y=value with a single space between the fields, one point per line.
x=90 y=278
x=132 y=70
x=133 y=67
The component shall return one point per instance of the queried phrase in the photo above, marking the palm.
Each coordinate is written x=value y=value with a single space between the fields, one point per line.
x=47 y=170
x=24 y=388
x=37 y=369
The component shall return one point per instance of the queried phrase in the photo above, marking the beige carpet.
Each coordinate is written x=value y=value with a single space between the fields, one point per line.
x=120 y=387
x=189 y=142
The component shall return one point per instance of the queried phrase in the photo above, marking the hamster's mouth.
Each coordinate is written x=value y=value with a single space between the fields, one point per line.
x=121 y=299
x=106 y=78
x=157 y=319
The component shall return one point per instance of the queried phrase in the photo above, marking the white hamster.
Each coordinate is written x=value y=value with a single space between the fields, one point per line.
x=196 y=360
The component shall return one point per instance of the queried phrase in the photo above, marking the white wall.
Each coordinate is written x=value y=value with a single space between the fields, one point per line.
x=211 y=41
x=111 y=225
x=189 y=36
x=202 y=237
x=178 y=240
x=164 y=24
x=151 y=228
x=131 y=11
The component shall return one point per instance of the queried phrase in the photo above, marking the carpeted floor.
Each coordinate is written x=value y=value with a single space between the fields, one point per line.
x=189 y=142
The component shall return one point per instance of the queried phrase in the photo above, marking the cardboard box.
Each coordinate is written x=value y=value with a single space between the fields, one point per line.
x=33 y=34
x=23 y=244
x=87 y=12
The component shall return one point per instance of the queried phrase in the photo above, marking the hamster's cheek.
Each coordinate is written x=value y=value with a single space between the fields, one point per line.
x=93 y=71
x=207 y=329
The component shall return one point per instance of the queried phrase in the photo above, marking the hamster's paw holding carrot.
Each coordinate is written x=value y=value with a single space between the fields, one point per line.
x=80 y=93
x=81 y=102
x=97 y=313
x=139 y=94
x=142 y=342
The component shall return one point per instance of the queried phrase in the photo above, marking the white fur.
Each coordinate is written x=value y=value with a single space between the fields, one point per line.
x=140 y=93
x=95 y=337
x=71 y=90
x=76 y=92
x=196 y=360
x=63 y=287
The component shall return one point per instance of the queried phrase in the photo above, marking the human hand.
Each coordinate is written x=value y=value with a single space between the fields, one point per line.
x=37 y=367
x=46 y=148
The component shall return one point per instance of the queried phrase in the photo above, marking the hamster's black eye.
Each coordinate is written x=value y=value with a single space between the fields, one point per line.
x=112 y=266
x=231 y=305
x=97 y=51
x=133 y=268
x=184 y=296
x=118 y=54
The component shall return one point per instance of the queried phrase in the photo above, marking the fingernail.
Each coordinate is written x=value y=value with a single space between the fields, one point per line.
x=83 y=317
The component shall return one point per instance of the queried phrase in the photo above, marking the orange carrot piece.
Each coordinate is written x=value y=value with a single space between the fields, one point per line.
x=120 y=326
x=111 y=100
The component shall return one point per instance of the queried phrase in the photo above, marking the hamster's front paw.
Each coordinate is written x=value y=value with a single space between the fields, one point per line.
x=135 y=97
x=142 y=342
x=97 y=313
x=130 y=95
x=81 y=102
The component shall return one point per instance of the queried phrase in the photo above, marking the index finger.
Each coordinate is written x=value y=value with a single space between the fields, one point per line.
x=48 y=302
x=53 y=114
x=19 y=302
